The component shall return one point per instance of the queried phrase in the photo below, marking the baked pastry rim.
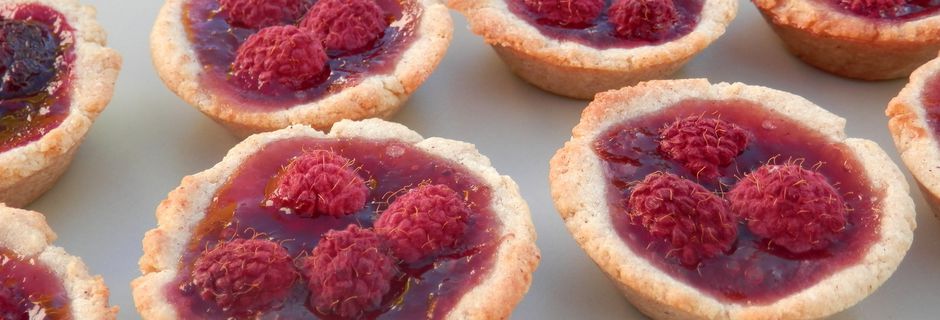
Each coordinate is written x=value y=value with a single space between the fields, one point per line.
x=379 y=95
x=913 y=137
x=494 y=298
x=821 y=20
x=578 y=189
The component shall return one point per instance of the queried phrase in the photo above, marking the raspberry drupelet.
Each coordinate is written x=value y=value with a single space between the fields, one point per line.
x=349 y=272
x=281 y=56
x=244 y=277
x=319 y=183
x=703 y=145
x=262 y=13
x=793 y=207
x=347 y=25
x=695 y=222
x=649 y=20
x=423 y=222
x=565 y=13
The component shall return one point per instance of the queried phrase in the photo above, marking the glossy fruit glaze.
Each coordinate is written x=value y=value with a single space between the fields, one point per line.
x=931 y=100
x=885 y=10
x=600 y=33
x=216 y=43
x=24 y=119
x=754 y=271
x=30 y=291
x=428 y=289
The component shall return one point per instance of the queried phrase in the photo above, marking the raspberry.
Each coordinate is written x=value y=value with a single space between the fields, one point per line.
x=284 y=56
x=320 y=183
x=244 y=277
x=349 y=272
x=575 y=13
x=702 y=145
x=874 y=8
x=28 y=52
x=795 y=208
x=262 y=13
x=423 y=222
x=695 y=222
x=346 y=24
x=649 y=20
x=14 y=305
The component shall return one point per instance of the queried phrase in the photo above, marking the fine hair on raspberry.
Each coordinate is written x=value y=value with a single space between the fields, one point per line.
x=424 y=221
x=573 y=13
x=695 y=222
x=320 y=183
x=648 y=20
x=281 y=57
x=347 y=25
x=703 y=145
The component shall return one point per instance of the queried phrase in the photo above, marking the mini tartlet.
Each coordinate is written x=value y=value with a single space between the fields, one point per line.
x=42 y=281
x=314 y=204
x=57 y=77
x=701 y=201
x=868 y=40
x=310 y=62
x=573 y=48
x=913 y=117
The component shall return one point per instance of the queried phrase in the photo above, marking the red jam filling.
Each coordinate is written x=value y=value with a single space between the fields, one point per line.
x=626 y=29
x=426 y=288
x=886 y=10
x=29 y=290
x=36 y=58
x=754 y=270
x=931 y=101
x=216 y=43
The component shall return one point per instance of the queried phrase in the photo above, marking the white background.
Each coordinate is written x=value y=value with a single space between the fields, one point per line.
x=148 y=139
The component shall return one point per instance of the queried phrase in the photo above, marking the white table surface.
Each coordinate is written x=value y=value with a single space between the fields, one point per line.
x=148 y=139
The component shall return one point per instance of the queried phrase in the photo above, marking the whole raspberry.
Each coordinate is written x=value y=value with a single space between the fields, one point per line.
x=347 y=25
x=349 y=272
x=244 y=277
x=28 y=52
x=702 y=145
x=284 y=56
x=795 y=208
x=318 y=183
x=262 y=13
x=695 y=222
x=424 y=221
x=574 y=13
x=874 y=8
x=649 y=20
x=14 y=304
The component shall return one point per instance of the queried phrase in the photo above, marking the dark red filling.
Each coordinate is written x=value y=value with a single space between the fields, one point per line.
x=888 y=10
x=30 y=291
x=601 y=33
x=754 y=271
x=216 y=42
x=931 y=100
x=428 y=288
x=36 y=55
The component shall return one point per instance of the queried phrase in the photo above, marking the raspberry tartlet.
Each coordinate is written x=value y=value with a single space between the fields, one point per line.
x=914 y=120
x=42 y=281
x=861 y=39
x=704 y=201
x=370 y=220
x=57 y=76
x=257 y=66
x=578 y=48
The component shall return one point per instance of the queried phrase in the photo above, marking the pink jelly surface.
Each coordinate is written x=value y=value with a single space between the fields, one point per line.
x=427 y=289
x=216 y=43
x=909 y=10
x=931 y=101
x=754 y=272
x=27 y=119
x=32 y=291
x=600 y=33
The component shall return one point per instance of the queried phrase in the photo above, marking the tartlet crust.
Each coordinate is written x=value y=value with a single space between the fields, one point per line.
x=26 y=234
x=494 y=298
x=579 y=190
x=28 y=171
x=378 y=95
x=913 y=137
x=579 y=71
x=850 y=45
